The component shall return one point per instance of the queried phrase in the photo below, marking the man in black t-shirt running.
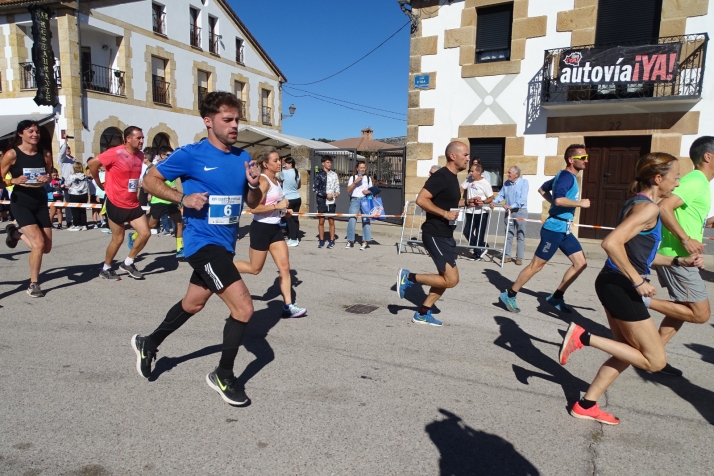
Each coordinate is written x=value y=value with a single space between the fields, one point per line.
x=440 y=199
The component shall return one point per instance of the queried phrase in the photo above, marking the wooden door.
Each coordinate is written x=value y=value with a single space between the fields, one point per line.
x=607 y=179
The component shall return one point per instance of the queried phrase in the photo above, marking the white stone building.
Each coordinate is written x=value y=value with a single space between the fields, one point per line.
x=490 y=75
x=144 y=63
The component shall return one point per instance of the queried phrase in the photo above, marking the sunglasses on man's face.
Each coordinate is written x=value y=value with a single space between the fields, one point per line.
x=584 y=158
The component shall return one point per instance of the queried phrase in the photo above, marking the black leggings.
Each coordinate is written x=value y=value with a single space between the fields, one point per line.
x=292 y=221
x=79 y=215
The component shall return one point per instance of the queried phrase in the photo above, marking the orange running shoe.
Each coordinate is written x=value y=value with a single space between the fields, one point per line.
x=571 y=342
x=593 y=413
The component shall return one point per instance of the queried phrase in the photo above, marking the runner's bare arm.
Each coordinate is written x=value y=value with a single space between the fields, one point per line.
x=94 y=165
x=48 y=168
x=255 y=194
x=666 y=209
x=642 y=217
x=424 y=201
x=155 y=184
x=8 y=160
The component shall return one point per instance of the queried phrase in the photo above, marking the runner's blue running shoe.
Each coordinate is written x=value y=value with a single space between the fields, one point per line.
x=426 y=319
x=179 y=254
x=130 y=241
x=509 y=302
x=559 y=304
x=402 y=282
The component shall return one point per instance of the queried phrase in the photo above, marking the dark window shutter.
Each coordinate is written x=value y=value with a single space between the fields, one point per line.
x=632 y=21
x=493 y=28
x=491 y=152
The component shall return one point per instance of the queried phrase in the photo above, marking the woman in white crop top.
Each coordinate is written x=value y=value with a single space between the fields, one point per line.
x=265 y=233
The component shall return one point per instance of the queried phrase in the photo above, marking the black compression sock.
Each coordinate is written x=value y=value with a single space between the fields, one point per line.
x=232 y=336
x=558 y=294
x=175 y=318
x=511 y=293
x=423 y=310
x=411 y=277
x=587 y=404
x=585 y=338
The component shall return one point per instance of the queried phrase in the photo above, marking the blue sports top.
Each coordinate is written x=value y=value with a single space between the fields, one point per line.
x=642 y=248
x=204 y=168
x=563 y=185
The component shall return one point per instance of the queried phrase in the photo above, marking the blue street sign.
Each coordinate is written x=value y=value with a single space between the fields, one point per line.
x=421 y=82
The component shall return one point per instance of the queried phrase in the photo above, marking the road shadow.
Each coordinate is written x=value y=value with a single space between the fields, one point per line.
x=516 y=340
x=256 y=342
x=700 y=398
x=77 y=274
x=13 y=256
x=166 y=364
x=274 y=290
x=467 y=451
x=162 y=264
x=415 y=295
x=705 y=351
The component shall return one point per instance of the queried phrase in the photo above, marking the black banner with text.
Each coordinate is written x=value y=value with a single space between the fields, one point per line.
x=43 y=57
x=620 y=64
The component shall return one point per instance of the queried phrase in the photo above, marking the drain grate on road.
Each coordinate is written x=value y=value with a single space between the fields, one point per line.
x=361 y=309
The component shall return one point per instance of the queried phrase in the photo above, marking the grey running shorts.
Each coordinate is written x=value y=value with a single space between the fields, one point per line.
x=684 y=283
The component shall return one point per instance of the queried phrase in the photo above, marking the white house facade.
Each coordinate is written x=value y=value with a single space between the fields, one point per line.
x=143 y=63
x=494 y=75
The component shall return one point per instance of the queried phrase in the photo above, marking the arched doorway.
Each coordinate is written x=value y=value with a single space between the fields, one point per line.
x=111 y=137
x=161 y=139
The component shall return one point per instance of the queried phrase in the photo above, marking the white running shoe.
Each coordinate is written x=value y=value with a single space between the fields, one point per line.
x=294 y=311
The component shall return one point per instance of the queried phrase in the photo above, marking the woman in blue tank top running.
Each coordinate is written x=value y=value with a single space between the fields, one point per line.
x=623 y=288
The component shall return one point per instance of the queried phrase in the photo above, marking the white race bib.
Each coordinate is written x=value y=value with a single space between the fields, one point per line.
x=32 y=174
x=224 y=209
x=133 y=185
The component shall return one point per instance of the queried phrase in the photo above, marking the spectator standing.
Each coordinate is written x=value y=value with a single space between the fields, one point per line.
x=101 y=199
x=327 y=189
x=291 y=185
x=66 y=161
x=78 y=188
x=56 y=196
x=149 y=153
x=358 y=188
x=93 y=196
x=515 y=194
x=476 y=220
x=487 y=176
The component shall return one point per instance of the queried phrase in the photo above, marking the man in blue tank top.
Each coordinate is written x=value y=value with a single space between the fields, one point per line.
x=215 y=178
x=562 y=194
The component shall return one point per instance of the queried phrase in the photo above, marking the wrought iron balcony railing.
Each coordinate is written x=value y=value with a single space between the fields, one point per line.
x=104 y=80
x=213 y=40
x=680 y=76
x=160 y=90
x=195 y=39
x=267 y=115
x=159 y=22
x=201 y=94
x=27 y=76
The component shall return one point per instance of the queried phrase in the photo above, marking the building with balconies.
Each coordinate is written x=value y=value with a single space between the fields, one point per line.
x=519 y=81
x=144 y=63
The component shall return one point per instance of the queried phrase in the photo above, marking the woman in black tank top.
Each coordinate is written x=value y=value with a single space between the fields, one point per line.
x=30 y=169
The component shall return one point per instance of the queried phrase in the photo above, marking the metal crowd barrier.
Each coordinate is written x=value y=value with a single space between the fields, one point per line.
x=495 y=233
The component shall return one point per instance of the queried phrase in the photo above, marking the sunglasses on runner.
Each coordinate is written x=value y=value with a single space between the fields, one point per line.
x=584 y=158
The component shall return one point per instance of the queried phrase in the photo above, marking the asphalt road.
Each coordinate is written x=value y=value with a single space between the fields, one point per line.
x=334 y=392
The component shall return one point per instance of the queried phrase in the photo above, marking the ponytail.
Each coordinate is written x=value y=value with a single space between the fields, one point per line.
x=648 y=167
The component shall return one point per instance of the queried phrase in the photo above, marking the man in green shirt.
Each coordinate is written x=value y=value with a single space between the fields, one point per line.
x=684 y=214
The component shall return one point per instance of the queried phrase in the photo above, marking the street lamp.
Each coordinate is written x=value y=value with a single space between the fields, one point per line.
x=292 y=109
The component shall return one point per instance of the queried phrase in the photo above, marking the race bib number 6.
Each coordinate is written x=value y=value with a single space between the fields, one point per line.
x=224 y=209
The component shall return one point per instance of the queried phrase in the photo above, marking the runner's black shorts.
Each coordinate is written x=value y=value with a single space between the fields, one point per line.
x=123 y=215
x=617 y=295
x=213 y=268
x=158 y=210
x=442 y=250
x=323 y=207
x=29 y=207
x=262 y=235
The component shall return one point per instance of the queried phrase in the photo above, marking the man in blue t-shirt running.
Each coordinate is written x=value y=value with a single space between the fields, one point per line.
x=215 y=178
x=562 y=194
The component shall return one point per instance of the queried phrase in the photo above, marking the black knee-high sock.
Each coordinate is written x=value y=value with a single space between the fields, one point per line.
x=232 y=336
x=175 y=318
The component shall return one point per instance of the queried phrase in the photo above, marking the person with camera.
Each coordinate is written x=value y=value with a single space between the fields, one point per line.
x=265 y=233
x=358 y=187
